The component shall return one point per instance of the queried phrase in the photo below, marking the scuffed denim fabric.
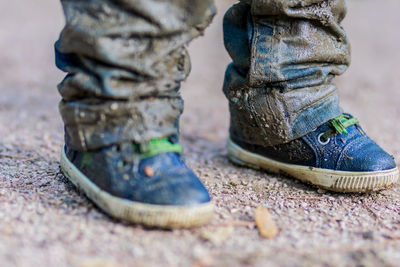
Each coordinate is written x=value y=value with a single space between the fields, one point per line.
x=285 y=54
x=125 y=61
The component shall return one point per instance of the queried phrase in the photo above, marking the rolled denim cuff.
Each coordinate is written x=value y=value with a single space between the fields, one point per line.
x=265 y=116
x=93 y=126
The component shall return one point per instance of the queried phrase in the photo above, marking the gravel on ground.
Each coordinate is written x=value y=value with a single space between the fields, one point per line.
x=44 y=221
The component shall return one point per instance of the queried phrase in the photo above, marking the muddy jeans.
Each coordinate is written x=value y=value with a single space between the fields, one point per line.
x=126 y=59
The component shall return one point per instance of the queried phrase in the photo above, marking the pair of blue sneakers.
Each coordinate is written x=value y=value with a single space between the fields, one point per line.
x=150 y=184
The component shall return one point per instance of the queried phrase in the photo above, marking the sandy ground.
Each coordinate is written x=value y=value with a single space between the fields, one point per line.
x=44 y=221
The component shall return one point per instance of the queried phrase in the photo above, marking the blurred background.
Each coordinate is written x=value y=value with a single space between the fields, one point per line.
x=45 y=222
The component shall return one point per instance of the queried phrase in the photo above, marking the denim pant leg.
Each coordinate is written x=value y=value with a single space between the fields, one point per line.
x=285 y=55
x=125 y=61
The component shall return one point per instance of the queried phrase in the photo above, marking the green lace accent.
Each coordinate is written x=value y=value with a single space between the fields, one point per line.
x=339 y=125
x=157 y=146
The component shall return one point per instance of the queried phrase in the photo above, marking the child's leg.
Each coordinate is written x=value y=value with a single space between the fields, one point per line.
x=285 y=114
x=120 y=104
x=282 y=88
x=125 y=62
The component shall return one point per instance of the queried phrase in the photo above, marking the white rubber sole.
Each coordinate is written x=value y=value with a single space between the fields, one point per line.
x=339 y=181
x=135 y=212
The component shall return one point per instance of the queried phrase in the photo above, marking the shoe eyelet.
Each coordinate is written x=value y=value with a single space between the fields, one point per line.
x=321 y=141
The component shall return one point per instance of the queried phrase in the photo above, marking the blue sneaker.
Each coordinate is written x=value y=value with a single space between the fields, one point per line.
x=337 y=156
x=146 y=184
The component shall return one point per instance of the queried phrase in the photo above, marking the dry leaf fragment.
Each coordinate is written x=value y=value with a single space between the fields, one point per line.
x=265 y=224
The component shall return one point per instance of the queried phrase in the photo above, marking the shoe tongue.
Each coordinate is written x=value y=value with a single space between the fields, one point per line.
x=158 y=146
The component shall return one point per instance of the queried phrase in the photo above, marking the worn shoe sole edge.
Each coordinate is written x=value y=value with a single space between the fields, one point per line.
x=162 y=216
x=338 y=181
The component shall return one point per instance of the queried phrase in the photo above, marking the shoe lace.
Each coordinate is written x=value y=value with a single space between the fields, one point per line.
x=157 y=146
x=339 y=125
